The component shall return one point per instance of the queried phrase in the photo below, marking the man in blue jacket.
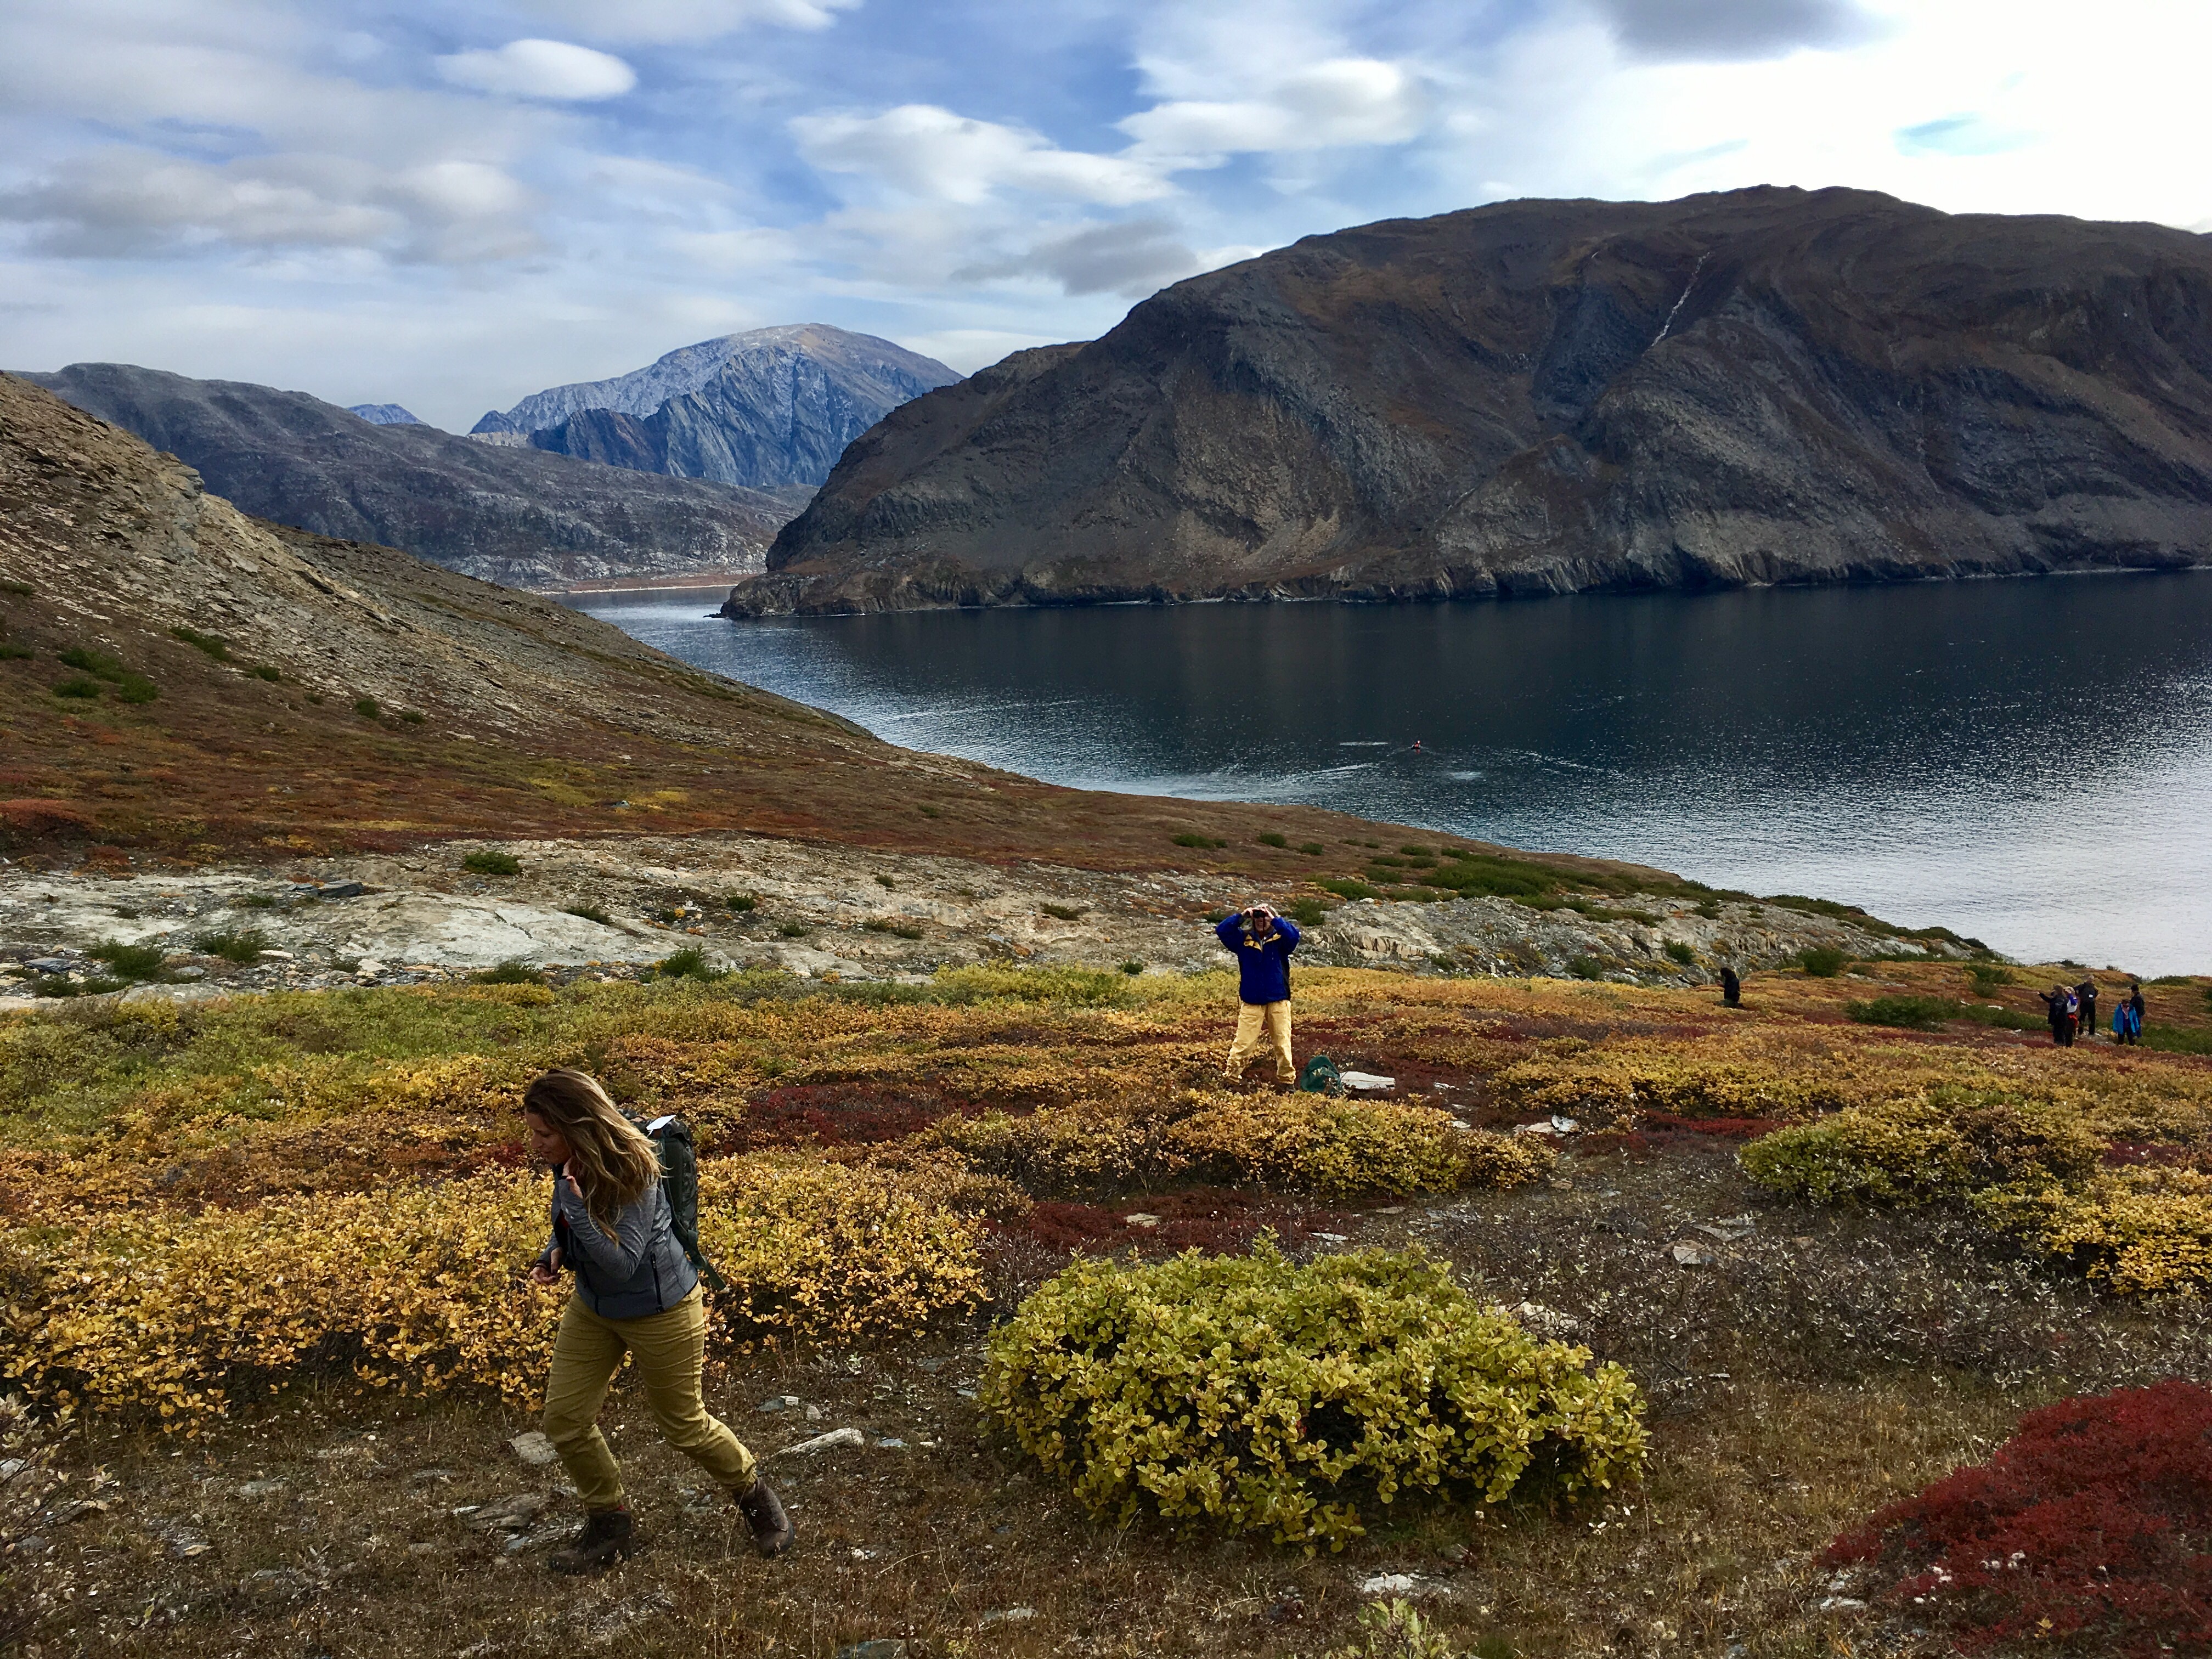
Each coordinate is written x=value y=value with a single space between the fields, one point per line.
x=1262 y=942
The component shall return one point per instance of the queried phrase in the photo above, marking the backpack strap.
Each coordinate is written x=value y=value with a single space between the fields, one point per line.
x=679 y=1183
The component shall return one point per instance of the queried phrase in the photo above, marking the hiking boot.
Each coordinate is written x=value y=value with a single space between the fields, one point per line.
x=606 y=1538
x=763 y=1511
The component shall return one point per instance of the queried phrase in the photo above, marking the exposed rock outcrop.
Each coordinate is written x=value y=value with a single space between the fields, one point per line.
x=772 y=408
x=508 y=515
x=1541 y=396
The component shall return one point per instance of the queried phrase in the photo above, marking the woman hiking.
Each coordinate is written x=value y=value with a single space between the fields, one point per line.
x=637 y=1294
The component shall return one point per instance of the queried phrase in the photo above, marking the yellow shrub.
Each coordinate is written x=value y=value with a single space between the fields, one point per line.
x=1267 y=1396
x=1336 y=1148
x=2137 y=1229
x=420 y=1288
x=1304 y=1142
x=843 y=1251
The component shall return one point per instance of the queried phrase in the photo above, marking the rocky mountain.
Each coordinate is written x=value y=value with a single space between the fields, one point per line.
x=509 y=515
x=772 y=408
x=385 y=414
x=1766 y=386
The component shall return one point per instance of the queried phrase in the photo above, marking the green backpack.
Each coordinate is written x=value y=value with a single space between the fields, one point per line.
x=679 y=1184
x=1320 y=1077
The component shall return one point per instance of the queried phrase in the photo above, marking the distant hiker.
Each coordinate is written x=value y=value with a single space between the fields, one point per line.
x=2127 y=1024
x=2135 y=1011
x=637 y=1294
x=2063 y=1005
x=2086 y=993
x=1731 y=989
x=1262 y=942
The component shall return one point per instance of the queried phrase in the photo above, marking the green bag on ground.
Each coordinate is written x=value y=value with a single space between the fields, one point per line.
x=1320 y=1077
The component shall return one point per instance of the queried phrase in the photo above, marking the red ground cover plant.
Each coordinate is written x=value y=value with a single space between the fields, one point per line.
x=2093 y=1521
x=1218 y=1220
x=835 y=1114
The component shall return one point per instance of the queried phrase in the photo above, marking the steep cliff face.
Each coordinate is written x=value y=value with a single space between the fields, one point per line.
x=510 y=515
x=772 y=408
x=1539 y=396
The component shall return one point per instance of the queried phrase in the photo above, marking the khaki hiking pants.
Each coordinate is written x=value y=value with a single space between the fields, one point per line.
x=1252 y=1019
x=670 y=1350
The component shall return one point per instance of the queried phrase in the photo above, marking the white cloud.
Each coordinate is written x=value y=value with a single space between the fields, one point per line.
x=1345 y=101
x=664 y=21
x=919 y=149
x=540 y=69
x=1129 y=256
x=122 y=201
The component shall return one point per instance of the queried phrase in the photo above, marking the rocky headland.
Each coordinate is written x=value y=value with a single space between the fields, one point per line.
x=511 y=515
x=1540 y=397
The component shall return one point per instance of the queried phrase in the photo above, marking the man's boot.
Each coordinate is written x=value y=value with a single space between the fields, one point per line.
x=763 y=1511
x=608 y=1536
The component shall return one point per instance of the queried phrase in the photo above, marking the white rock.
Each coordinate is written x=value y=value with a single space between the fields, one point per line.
x=1140 y=1218
x=1390 y=1583
x=827 y=1442
x=1691 y=1253
x=1365 y=1082
x=534 y=1449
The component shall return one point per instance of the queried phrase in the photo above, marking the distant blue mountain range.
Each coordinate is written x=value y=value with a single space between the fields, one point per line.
x=385 y=414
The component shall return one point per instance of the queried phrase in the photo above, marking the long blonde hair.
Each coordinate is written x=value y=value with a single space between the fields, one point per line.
x=614 y=1161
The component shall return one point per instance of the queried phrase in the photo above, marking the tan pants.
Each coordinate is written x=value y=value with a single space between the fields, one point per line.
x=670 y=1350
x=1252 y=1019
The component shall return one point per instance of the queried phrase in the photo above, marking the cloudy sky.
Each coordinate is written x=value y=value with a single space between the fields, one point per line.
x=451 y=204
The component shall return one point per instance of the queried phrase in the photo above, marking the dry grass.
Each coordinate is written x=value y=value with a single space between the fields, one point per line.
x=1820 y=1364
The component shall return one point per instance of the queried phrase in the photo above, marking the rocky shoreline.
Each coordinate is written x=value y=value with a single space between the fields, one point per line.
x=612 y=908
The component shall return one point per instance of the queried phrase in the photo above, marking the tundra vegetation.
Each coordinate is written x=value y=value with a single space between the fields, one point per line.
x=1174 y=1367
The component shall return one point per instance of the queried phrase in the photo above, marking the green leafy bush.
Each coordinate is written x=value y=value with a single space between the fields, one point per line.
x=134 y=688
x=263 y=671
x=1682 y=950
x=1132 y=967
x=412 y=717
x=1822 y=961
x=130 y=961
x=490 y=863
x=78 y=685
x=214 y=647
x=885 y=883
x=93 y=662
x=1987 y=975
x=886 y=925
x=740 y=903
x=1346 y=889
x=509 y=973
x=1949 y=1141
x=1911 y=1013
x=1063 y=912
x=689 y=963
x=591 y=913
x=1306 y=911
x=1191 y=838
x=368 y=709
x=1586 y=968
x=240 y=944
x=1311 y=848
x=1262 y=1395
x=1271 y=838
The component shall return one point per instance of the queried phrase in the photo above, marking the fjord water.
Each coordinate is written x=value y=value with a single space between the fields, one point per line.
x=2028 y=761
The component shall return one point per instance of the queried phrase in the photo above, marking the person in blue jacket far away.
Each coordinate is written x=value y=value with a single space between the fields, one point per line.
x=1262 y=942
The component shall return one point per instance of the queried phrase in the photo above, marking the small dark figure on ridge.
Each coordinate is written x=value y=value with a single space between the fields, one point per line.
x=2086 y=994
x=2065 y=1008
x=1731 y=987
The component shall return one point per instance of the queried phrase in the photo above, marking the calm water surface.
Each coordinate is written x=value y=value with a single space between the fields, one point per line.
x=2028 y=761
